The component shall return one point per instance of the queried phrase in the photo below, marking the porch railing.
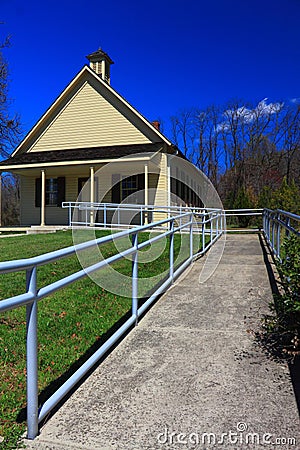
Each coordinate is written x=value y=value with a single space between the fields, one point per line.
x=277 y=224
x=115 y=215
x=185 y=222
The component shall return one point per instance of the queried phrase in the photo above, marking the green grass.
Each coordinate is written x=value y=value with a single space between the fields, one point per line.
x=72 y=323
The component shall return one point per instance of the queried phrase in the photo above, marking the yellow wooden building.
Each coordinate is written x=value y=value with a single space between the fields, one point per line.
x=92 y=134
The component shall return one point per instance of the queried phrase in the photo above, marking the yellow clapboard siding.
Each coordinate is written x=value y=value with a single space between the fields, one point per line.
x=88 y=120
x=71 y=189
x=29 y=214
x=161 y=194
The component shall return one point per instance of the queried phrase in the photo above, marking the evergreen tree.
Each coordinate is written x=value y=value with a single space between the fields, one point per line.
x=287 y=197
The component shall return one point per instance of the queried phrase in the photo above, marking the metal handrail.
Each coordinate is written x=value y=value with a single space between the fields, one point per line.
x=273 y=223
x=244 y=212
x=92 y=208
x=32 y=295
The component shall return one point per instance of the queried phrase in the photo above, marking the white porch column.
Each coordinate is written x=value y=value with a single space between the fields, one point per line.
x=146 y=193
x=169 y=184
x=92 y=194
x=43 y=197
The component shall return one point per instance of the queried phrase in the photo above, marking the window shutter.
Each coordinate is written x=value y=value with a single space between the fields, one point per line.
x=38 y=189
x=141 y=187
x=116 y=188
x=173 y=185
x=61 y=190
x=141 y=181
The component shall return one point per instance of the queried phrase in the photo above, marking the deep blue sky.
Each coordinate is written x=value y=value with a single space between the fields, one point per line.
x=168 y=54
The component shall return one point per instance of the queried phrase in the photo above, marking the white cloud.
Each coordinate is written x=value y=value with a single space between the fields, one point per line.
x=295 y=100
x=249 y=115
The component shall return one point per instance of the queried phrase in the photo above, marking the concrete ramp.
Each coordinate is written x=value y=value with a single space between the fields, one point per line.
x=189 y=375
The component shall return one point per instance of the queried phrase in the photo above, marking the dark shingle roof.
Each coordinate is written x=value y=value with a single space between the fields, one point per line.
x=82 y=154
x=99 y=53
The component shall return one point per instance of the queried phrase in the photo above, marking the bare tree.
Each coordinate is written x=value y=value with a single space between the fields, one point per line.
x=183 y=132
x=214 y=150
x=10 y=133
x=9 y=126
x=291 y=140
x=10 y=199
x=241 y=147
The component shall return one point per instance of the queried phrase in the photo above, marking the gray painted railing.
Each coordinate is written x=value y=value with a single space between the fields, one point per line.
x=116 y=215
x=275 y=223
x=237 y=213
x=213 y=220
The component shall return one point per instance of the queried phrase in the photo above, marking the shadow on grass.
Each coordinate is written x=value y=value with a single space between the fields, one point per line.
x=56 y=384
x=271 y=342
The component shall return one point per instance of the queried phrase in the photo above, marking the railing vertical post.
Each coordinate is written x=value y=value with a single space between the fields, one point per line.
x=278 y=235
x=32 y=357
x=273 y=231
x=70 y=214
x=288 y=223
x=266 y=221
x=104 y=215
x=203 y=231
x=211 y=226
x=191 y=236
x=221 y=222
x=171 y=273
x=135 y=277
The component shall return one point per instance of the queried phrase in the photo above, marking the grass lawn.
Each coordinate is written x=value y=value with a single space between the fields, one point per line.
x=72 y=323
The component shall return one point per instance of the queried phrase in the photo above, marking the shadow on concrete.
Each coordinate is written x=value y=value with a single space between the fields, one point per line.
x=270 y=265
x=294 y=365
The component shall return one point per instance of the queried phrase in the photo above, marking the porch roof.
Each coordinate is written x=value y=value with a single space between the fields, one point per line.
x=79 y=155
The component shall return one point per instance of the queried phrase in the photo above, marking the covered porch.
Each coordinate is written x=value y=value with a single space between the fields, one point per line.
x=140 y=178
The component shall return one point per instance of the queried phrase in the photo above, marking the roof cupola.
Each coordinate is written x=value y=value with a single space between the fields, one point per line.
x=100 y=62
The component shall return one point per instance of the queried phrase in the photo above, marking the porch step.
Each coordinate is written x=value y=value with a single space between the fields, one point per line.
x=37 y=229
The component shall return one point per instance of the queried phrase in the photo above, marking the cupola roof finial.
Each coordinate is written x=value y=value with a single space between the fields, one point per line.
x=100 y=62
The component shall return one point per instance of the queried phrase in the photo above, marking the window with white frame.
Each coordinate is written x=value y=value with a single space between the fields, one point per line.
x=129 y=186
x=51 y=192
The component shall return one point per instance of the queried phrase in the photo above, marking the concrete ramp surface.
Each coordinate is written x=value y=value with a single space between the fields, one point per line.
x=189 y=375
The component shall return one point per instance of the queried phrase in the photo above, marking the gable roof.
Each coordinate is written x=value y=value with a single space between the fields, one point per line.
x=125 y=126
